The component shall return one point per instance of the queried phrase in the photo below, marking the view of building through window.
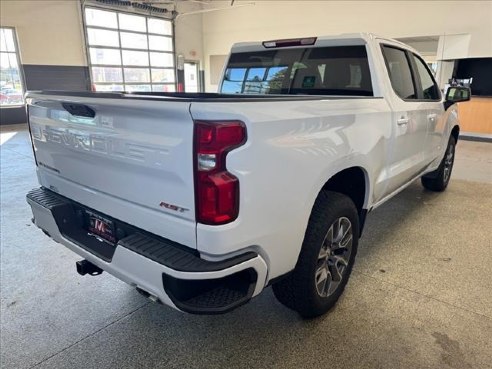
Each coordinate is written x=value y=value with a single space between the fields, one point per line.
x=11 y=89
x=129 y=52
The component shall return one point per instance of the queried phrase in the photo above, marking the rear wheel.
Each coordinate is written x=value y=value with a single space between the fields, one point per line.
x=326 y=258
x=439 y=179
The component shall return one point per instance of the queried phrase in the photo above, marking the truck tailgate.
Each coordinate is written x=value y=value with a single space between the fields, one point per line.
x=127 y=158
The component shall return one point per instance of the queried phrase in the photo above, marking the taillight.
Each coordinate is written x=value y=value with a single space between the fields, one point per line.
x=216 y=190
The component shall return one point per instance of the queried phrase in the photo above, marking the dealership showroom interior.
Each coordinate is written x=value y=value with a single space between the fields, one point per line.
x=246 y=184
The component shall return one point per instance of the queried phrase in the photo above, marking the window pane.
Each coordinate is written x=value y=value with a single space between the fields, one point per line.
x=275 y=72
x=113 y=87
x=11 y=96
x=336 y=70
x=7 y=40
x=132 y=22
x=163 y=75
x=102 y=37
x=101 y=18
x=10 y=80
x=105 y=56
x=229 y=87
x=275 y=78
x=256 y=74
x=133 y=40
x=399 y=71
x=235 y=74
x=101 y=74
x=123 y=67
x=137 y=88
x=161 y=60
x=430 y=89
x=162 y=27
x=160 y=43
x=255 y=87
x=8 y=61
x=163 y=88
x=137 y=75
x=135 y=58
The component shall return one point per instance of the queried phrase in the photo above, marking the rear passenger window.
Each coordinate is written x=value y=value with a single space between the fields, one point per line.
x=430 y=91
x=399 y=72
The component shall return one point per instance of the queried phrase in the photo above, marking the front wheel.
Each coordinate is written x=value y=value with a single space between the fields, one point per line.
x=439 y=179
x=326 y=258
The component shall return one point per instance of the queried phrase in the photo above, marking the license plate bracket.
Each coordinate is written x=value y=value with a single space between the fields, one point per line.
x=101 y=227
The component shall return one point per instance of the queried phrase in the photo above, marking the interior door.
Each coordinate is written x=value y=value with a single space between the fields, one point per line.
x=407 y=157
x=191 y=77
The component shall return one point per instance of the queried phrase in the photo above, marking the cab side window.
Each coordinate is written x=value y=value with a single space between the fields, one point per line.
x=430 y=91
x=399 y=72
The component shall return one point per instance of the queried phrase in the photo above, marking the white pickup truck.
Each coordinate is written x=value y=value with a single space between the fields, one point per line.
x=201 y=201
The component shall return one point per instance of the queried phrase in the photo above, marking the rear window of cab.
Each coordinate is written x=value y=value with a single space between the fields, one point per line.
x=338 y=70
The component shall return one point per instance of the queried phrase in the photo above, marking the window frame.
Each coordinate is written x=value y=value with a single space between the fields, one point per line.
x=419 y=92
x=122 y=66
x=410 y=66
x=419 y=83
x=19 y=66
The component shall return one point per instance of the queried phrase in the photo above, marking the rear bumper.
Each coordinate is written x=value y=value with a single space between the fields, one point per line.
x=175 y=276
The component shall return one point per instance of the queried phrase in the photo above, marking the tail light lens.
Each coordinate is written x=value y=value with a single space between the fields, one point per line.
x=216 y=190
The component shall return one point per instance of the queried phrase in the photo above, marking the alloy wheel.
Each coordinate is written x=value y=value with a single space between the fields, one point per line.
x=448 y=162
x=334 y=256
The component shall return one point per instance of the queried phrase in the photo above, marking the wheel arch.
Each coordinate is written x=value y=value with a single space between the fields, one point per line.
x=352 y=182
x=455 y=132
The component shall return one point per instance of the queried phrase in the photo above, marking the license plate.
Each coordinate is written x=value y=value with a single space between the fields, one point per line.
x=101 y=227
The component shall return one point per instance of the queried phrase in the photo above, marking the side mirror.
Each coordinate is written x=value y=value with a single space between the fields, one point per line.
x=456 y=94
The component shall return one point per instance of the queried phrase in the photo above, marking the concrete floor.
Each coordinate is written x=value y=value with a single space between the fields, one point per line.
x=420 y=295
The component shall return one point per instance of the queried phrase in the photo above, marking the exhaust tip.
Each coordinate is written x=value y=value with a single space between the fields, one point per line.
x=148 y=295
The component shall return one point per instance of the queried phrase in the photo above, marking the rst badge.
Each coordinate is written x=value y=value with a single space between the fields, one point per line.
x=179 y=209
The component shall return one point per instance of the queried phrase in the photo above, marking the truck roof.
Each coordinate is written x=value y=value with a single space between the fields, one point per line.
x=342 y=39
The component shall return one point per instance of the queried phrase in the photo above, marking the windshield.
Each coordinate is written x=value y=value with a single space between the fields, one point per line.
x=337 y=70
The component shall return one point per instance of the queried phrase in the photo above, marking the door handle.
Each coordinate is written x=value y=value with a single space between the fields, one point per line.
x=432 y=117
x=402 y=121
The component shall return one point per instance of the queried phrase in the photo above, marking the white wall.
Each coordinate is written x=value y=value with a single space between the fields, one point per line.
x=188 y=32
x=284 y=19
x=49 y=32
x=428 y=49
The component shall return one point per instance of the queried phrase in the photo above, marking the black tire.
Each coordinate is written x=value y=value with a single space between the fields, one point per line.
x=299 y=290
x=439 y=179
